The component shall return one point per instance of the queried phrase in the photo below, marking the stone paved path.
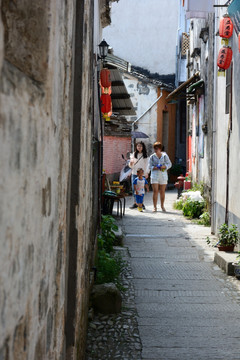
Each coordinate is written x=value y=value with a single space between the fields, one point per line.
x=116 y=336
x=178 y=305
x=187 y=307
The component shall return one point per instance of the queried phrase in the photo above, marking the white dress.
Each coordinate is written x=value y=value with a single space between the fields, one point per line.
x=140 y=162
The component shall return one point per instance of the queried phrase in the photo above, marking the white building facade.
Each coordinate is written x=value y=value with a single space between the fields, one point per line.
x=144 y=33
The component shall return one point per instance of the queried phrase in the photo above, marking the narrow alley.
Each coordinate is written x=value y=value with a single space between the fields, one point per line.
x=185 y=306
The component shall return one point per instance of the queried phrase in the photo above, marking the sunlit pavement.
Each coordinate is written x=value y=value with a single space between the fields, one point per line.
x=187 y=307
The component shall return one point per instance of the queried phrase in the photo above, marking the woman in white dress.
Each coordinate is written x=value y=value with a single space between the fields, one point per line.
x=159 y=163
x=139 y=159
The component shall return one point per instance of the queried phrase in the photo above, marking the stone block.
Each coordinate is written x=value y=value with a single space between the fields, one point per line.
x=119 y=237
x=106 y=298
x=224 y=260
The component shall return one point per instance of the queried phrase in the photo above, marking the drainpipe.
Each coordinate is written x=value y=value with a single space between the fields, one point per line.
x=228 y=151
x=214 y=178
x=177 y=59
x=140 y=117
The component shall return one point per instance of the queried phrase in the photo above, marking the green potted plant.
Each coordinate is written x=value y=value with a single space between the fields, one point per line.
x=227 y=237
x=236 y=266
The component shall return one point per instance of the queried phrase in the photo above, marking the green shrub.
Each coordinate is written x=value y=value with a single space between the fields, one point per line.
x=198 y=187
x=109 y=267
x=178 y=204
x=109 y=264
x=193 y=209
x=107 y=236
x=204 y=219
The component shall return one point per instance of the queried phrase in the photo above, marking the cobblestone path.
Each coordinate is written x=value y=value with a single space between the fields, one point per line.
x=182 y=304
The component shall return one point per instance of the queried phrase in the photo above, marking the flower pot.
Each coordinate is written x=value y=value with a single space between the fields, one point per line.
x=225 y=247
x=236 y=270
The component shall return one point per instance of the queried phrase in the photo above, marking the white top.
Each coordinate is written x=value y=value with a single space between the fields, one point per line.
x=140 y=185
x=140 y=162
x=154 y=160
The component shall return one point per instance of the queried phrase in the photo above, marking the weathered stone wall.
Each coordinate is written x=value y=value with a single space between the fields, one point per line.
x=36 y=117
x=143 y=95
x=223 y=120
x=203 y=150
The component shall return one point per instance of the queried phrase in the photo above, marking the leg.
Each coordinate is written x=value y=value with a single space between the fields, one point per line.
x=139 y=200
x=134 y=196
x=162 y=196
x=155 y=188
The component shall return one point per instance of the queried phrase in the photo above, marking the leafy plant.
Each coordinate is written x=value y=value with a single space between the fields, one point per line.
x=198 y=187
x=109 y=267
x=204 y=219
x=208 y=240
x=193 y=209
x=228 y=235
x=107 y=236
x=178 y=204
x=109 y=264
x=238 y=259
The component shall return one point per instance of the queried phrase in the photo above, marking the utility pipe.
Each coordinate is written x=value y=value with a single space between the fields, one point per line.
x=214 y=158
x=228 y=152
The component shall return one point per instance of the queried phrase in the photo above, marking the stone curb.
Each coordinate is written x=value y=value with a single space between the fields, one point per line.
x=224 y=260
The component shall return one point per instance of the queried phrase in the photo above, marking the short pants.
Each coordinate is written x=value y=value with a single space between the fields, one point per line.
x=139 y=199
x=159 y=177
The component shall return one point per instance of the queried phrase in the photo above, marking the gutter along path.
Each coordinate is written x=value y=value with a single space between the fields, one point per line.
x=187 y=307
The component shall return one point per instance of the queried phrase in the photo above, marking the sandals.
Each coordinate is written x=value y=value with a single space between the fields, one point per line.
x=154 y=210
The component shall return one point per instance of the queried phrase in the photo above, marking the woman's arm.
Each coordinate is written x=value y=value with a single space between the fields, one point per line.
x=151 y=163
x=132 y=161
x=167 y=161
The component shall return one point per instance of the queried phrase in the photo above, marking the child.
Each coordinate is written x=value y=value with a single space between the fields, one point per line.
x=139 y=186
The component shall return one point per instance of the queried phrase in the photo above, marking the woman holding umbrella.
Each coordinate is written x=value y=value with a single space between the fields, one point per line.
x=139 y=159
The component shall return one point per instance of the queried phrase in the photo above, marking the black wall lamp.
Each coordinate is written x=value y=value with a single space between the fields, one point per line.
x=103 y=49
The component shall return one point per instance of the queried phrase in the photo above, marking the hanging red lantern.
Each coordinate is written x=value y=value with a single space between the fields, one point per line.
x=224 y=57
x=105 y=78
x=106 y=103
x=226 y=27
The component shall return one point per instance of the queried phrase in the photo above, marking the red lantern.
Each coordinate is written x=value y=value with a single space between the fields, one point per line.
x=226 y=27
x=106 y=103
x=224 y=57
x=105 y=78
